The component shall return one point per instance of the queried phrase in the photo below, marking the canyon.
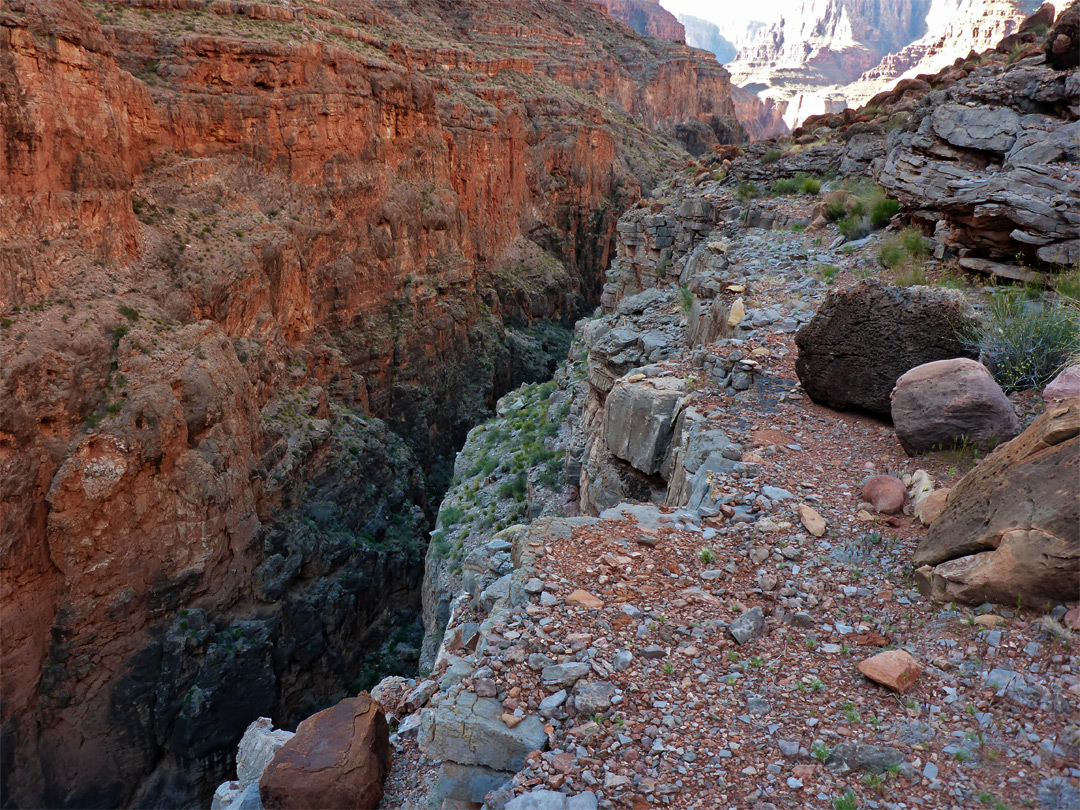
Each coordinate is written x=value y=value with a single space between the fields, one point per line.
x=263 y=267
x=832 y=54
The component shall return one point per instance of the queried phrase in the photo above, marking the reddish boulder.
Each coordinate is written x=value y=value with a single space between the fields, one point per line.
x=1011 y=527
x=885 y=493
x=939 y=404
x=1064 y=385
x=337 y=760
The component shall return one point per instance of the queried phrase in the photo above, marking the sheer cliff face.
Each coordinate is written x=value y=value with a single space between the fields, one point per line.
x=236 y=236
x=647 y=17
x=829 y=54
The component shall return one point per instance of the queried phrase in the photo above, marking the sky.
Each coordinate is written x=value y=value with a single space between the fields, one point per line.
x=730 y=12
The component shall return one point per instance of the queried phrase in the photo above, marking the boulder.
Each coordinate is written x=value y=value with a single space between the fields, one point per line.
x=639 y=419
x=930 y=508
x=1011 y=527
x=885 y=493
x=864 y=338
x=941 y=404
x=338 y=759
x=1063 y=41
x=1064 y=386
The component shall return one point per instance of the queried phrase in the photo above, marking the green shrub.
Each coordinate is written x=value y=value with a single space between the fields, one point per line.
x=1067 y=285
x=686 y=298
x=130 y=313
x=835 y=208
x=747 y=191
x=772 y=156
x=788 y=185
x=892 y=254
x=882 y=212
x=810 y=186
x=916 y=245
x=829 y=271
x=855 y=227
x=1024 y=344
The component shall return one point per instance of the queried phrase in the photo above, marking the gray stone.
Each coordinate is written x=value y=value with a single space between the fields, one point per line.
x=776 y=493
x=468 y=730
x=622 y=660
x=538 y=799
x=551 y=704
x=418 y=697
x=564 y=674
x=857 y=756
x=469 y=783
x=583 y=801
x=989 y=129
x=593 y=698
x=748 y=626
x=257 y=747
x=537 y=662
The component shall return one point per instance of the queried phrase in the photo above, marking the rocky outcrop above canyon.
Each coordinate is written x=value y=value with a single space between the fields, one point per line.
x=264 y=265
x=706 y=35
x=833 y=54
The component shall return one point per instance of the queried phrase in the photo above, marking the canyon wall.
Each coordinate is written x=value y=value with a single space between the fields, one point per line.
x=831 y=54
x=263 y=266
x=647 y=17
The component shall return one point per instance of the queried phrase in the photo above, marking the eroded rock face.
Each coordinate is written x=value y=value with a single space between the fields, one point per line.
x=337 y=760
x=991 y=164
x=231 y=251
x=863 y=339
x=939 y=404
x=1011 y=527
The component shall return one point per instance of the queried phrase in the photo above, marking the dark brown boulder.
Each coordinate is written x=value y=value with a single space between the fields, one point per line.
x=948 y=402
x=1043 y=18
x=1063 y=41
x=862 y=339
x=1011 y=528
x=337 y=760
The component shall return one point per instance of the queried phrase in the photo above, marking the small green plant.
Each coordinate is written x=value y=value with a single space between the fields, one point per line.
x=747 y=191
x=786 y=185
x=883 y=211
x=891 y=254
x=5 y=323
x=686 y=299
x=835 y=206
x=812 y=643
x=798 y=227
x=1067 y=285
x=874 y=781
x=820 y=751
x=707 y=555
x=771 y=156
x=668 y=668
x=810 y=186
x=846 y=802
x=120 y=330
x=916 y=245
x=855 y=227
x=130 y=313
x=732 y=656
x=851 y=714
x=828 y=272
x=816 y=685
x=757 y=662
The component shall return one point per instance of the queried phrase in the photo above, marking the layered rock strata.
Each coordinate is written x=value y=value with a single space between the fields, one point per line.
x=238 y=236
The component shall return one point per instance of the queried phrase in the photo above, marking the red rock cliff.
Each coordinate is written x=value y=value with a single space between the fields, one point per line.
x=234 y=233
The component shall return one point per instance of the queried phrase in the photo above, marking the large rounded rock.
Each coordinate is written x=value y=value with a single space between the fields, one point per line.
x=337 y=760
x=862 y=339
x=1011 y=528
x=1064 y=386
x=938 y=405
x=1063 y=41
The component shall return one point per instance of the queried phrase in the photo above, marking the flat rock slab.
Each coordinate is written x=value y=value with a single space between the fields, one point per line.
x=895 y=669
